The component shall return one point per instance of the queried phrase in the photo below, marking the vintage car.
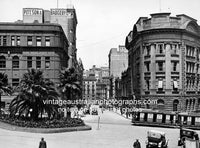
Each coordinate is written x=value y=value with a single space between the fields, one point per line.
x=189 y=135
x=156 y=139
x=94 y=111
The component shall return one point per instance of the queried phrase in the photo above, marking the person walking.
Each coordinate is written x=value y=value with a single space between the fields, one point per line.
x=136 y=144
x=42 y=143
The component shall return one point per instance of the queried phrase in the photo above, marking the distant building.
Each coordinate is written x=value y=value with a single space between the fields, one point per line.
x=98 y=79
x=118 y=62
x=89 y=88
x=164 y=59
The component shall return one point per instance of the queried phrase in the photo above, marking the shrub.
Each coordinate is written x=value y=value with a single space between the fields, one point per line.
x=43 y=123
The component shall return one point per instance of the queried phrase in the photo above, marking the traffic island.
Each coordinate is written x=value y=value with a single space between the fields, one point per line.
x=8 y=126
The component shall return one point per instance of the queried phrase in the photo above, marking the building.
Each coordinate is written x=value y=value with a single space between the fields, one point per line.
x=32 y=45
x=164 y=59
x=66 y=17
x=89 y=88
x=99 y=77
x=118 y=62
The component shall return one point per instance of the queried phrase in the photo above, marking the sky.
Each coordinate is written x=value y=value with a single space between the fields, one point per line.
x=102 y=24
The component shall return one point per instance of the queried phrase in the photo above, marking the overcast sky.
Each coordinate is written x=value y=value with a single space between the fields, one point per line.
x=102 y=24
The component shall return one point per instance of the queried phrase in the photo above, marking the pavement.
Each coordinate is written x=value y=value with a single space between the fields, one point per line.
x=109 y=130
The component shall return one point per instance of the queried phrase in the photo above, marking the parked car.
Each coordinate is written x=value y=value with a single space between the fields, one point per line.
x=94 y=112
x=187 y=134
x=156 y=139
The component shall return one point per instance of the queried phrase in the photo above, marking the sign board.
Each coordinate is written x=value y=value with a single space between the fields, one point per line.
x=61 y=12
x=32 y=11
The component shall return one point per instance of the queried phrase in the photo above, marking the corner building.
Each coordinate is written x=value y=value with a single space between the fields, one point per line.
x=27 y=45
x=164 y=59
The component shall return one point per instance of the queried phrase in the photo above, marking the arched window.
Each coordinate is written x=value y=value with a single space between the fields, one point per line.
x=175 y=105
x=161 y=104
x=2 y=62
x=15 y=62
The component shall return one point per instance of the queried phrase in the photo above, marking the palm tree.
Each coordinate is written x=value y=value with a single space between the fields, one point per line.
x=4 y=88
x=34 y=92
x=70 y=86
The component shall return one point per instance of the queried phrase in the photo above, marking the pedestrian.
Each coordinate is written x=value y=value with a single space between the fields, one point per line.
x=136 y=144
x=42 y=143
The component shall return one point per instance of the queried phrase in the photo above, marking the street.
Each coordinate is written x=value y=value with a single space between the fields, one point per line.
x=114 y=131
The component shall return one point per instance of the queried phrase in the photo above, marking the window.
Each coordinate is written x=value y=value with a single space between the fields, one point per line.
x=47 y=62
x=12 y=41
x=15 y=62
x=160 y=48
x=38 y=41
x=29 y=41
x=0 y=40
x=174 y=64
x=38 y=62
x=160 y=84
x=148 y=50
x=15 y=82
x=47 y=41
x=18 y=40
x=160 y=66
x=175 y=85
x=2 y=62
x=29 y=62
x=148 y=84
x=147 y=66
x=4 y=40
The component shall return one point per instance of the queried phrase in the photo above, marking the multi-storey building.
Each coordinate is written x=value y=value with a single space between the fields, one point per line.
x=32 y=45
x=164 y=58
x=65 y=17
x=118 y=62
x=101 y=78
x=89 y=88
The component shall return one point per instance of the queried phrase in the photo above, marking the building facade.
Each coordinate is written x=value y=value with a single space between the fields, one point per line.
x=28 y=45
x=164 y=59
x=89 y=88
x=118 y=62
x=66 y=17
x=96 y=83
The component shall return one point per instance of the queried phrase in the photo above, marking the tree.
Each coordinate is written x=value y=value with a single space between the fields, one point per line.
x=34 y=92
x=4 y=87
x=70 y=86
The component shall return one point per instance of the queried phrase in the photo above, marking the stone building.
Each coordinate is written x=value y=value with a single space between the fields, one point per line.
x=118 y=62
x=89 y=88
x=164 y=58
x=66 y=17
x=96 y=78
x=32 y=45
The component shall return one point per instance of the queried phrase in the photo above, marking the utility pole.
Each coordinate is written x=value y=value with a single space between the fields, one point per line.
x=57 y=3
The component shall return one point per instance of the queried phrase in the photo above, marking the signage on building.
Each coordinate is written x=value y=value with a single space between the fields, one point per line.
x=32 y=11
x=61 y=12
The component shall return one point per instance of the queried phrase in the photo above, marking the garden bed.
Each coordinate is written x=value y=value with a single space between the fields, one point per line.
x=43 y=123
